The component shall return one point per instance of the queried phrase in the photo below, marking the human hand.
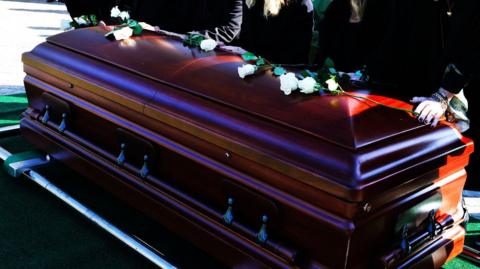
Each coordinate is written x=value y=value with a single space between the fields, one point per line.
x=430 y=109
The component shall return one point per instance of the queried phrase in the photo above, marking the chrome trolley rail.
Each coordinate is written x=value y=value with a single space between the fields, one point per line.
x=25 y=169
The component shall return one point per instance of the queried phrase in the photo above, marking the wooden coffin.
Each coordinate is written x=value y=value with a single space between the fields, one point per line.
x=256 y=178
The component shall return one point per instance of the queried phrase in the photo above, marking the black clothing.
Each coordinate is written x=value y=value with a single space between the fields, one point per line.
x=100 y=8
x=217 y=19
x=349 y=44
x=463 y=44
x=473 y=169
x=421 y=40
x=284 y=38
x=407 y=62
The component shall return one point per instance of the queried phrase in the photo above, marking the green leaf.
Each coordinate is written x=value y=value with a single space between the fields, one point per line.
x=197 y=39
x=323 y=74
x=137 y=30
x=311 y=74
x=248 y=56
x=94 y=20
x=329 y=63
x=87 y=19
x=132 y=23
x=332 y=70
x=278 y=71
x=260 y=61
x=74 y=24
x=136 y=27
x=193 y=40
x=304 y=73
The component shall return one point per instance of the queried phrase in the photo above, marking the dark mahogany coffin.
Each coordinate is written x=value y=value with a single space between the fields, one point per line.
x=255 y=178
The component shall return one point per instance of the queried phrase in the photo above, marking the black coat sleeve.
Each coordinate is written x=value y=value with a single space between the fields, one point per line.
x=229 y=26
x=463 y=46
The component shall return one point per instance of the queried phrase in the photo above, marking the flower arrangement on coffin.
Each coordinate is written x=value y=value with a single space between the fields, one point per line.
x=79 y=22
x=258 y=64
x=127 y=27
x=200 y=41
x=325 y=80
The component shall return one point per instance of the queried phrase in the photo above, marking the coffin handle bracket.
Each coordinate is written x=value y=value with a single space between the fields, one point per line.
x=405 y=243
x=46 y=115
x=121 y=156
x=228 y=216
x=262 y=235
x=145 y=171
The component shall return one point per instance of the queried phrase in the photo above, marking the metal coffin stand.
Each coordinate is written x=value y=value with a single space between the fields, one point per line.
x=25 y=168
x=246 y=182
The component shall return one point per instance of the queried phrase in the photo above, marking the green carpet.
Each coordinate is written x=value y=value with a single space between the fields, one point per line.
x=39 y=231
x=460 y=263
x=11 y=107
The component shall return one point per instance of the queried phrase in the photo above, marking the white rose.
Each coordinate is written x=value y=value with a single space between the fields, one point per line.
x=208 y=44
x=115 y=12
x=246 y=70
x=332 y=84
x=124 y=15
x=65 y=25
x=146 y=26
x=288 y=83
x=80 y=21
x=308 y=4
x=123 y=33
x=307 y=85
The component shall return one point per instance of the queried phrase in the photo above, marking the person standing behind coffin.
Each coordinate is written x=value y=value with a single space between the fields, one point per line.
x=460 y=27
x=100 y=8
x=428 y=50
x=217 y=19
x=349 y=32
x=278 y=30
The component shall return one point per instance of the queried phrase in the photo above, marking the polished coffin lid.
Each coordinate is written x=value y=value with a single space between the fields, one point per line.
x=340 y=145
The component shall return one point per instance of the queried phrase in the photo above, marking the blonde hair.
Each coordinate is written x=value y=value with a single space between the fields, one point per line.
x=358 y=9
x=270 y=7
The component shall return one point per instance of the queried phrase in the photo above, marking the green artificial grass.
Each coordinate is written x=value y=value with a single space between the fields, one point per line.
x=474 y=228
x=38 y=231
x=459 y=263
x=11 y=107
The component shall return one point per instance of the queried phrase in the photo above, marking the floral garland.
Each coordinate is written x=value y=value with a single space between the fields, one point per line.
x=131 y=27
x=324 y=80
